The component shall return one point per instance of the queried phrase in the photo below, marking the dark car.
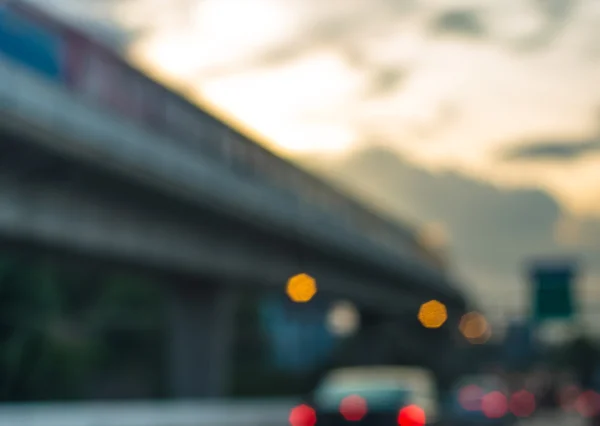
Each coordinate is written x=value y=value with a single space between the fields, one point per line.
x=370 y=396
x=465 y=406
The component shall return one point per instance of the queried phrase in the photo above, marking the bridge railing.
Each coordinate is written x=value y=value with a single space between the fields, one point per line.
x=104 y=79
x=149 y=413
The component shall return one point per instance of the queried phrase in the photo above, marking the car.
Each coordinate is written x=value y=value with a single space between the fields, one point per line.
x=371 y=396
x=478 y=400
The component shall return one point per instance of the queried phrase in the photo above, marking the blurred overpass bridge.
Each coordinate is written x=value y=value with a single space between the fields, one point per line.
x=99 y=160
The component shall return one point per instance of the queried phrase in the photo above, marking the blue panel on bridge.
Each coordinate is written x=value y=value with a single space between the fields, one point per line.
x=519 y=347
x=28 y=43
x=298 y=336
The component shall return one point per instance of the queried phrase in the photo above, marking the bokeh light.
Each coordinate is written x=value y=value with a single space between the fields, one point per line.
x=412 y=415
x=588 y=404
x=353 y=408
x=522 y=403
x=568 y=397
x=470 y=397
x=343 y=318
x=433 y=314
x=494 y=405
x=303 y=415
x=475 y=328
x=301 y=288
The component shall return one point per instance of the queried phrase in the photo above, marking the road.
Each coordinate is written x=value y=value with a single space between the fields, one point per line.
x=554 y=419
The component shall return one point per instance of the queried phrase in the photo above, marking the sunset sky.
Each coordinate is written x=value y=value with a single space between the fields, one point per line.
x=503 y=95
x=304 y=74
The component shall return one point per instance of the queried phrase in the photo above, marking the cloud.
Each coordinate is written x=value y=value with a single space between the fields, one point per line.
x=553 y=150
x=325 y=32
x=488 y=225
x=492 y=231
x=346 y=32
x=384 y=80
x=466 y=22
x=557 y=16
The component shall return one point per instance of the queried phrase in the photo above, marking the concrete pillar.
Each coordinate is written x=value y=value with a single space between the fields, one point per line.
x=200 y=340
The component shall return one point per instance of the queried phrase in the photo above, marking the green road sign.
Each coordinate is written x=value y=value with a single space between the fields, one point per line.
x=552 y=285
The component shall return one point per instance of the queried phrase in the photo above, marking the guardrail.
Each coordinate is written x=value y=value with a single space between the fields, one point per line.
x=149 y=413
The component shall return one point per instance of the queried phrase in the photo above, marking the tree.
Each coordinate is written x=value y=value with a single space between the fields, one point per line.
x=63 y=324
x=583 y=355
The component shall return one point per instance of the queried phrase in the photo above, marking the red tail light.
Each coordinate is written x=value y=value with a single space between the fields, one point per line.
x=412 y=415
x=303 y=415
x=353 y=408
x=568 y=398
x=522 y=403
x=494 y=405
x=470 y=398
x=588 y=404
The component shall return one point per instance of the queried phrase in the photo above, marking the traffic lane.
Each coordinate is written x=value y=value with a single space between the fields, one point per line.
x=555 y=418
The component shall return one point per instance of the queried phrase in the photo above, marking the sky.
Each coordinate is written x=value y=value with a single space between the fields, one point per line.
x=480 y=118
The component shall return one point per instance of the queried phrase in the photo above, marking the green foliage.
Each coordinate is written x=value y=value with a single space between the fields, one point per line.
x=62 y=325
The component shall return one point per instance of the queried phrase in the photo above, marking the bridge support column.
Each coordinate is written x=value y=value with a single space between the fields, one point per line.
x=200 y=340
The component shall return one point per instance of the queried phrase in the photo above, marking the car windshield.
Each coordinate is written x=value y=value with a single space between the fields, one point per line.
x=487 y=383
x=378 y=396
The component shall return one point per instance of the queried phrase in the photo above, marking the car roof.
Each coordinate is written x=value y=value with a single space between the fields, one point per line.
x=482 y=380
x=386 y=374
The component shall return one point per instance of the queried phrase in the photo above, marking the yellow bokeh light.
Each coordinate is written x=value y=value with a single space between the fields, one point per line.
x=301 y=288
x=475 y=328
x=433 y=314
